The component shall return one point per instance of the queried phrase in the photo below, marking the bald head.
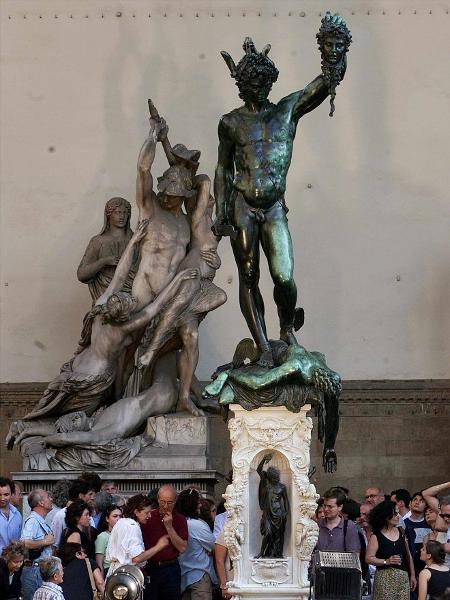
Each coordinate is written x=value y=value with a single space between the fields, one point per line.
x=167 y=496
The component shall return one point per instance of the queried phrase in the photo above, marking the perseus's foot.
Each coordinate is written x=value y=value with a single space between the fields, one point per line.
x=186 y=404
x=287 y=335
x=266 y=359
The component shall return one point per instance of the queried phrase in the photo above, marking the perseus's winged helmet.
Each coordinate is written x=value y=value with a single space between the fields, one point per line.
x=253 y=65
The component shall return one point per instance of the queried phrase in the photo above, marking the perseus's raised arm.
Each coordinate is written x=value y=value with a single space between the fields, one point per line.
x=312 y=95
x=223 y=179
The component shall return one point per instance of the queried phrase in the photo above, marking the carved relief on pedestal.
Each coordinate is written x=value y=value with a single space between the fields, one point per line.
x=271 y=571
x=289 y=436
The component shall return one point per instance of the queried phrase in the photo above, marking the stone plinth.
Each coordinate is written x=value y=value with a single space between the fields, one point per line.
x=184 y=452
x=287 y=436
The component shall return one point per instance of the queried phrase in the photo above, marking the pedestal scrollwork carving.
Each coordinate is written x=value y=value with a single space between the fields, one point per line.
x=287 y=435
x=271 y=433
x=270 y=571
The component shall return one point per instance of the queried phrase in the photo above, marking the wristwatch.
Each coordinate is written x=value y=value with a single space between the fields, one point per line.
x=385 y=561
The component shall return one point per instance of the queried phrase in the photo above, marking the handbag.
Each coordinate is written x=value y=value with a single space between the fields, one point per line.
x=96 y=595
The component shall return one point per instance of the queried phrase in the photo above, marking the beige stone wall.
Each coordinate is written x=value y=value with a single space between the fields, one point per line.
x=368 y=189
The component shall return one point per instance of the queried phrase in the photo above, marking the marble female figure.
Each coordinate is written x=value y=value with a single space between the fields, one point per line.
x=110 y=328
x=105 y=249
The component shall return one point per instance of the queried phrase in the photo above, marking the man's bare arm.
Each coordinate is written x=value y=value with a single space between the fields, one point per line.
x=203 y=186
x=431 y=493
x=47 y=540
x=223 y=180
x=163 y=136
x=144 y=179
x=144 y=316
x=312 y=95
x=176 y=540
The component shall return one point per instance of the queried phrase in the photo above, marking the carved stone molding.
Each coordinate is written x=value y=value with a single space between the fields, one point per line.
x=288 y=437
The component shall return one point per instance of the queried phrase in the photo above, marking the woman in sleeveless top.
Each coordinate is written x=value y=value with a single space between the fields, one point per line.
x=77 y=521
x=388 y=551
x=435 y=578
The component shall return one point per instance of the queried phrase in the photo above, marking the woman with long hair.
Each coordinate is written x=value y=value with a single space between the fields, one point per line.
x=77 y=523
x=208 y=512
x=434 y=579
x=126 y=545
x=196 y=563
x=11 y=563
x=388 y=551
x=109 y=518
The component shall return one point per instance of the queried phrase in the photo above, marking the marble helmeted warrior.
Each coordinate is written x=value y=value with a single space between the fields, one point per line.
x=196 y=297
x=255 y=151
x=175 y=242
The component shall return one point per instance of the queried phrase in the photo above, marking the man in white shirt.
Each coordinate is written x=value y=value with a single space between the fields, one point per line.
x=402 y=499
x=80 y=490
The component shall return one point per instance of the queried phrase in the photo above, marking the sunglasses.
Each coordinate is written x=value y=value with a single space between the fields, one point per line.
x=444 y=515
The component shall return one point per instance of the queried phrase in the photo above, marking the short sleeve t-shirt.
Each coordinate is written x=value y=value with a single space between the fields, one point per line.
x=101 y=543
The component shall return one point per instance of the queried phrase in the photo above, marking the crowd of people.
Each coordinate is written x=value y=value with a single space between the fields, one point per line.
x=75 y=537
x=403 y=540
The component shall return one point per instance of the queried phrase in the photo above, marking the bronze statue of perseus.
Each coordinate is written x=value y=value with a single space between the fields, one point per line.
x=255 y=151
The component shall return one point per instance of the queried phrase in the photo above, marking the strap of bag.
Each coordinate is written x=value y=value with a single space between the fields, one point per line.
x=345 y=534
x=91 y=576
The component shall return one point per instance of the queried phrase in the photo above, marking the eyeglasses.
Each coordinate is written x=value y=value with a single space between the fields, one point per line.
x=444 y=515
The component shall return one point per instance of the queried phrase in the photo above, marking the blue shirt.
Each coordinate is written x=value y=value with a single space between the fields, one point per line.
x=219 y=523
x=197 y=559
x=10 y=527
x=35 y=528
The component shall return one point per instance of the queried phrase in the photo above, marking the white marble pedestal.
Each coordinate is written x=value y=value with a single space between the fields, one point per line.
x=287 y=436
